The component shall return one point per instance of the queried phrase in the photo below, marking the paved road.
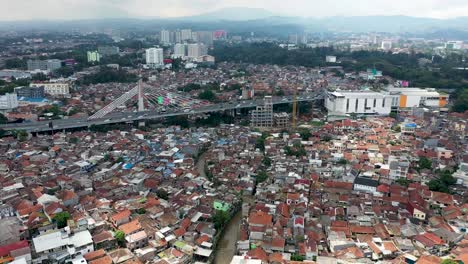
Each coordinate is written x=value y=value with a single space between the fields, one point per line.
x=119 y=117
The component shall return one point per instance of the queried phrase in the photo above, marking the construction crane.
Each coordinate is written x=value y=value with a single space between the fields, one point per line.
x=294 y=111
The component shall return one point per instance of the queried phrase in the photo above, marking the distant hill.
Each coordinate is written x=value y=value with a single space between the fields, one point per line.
x=232 y=14
x=242 y=20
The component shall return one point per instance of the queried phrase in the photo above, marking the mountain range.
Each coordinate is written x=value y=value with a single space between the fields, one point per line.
x=241 y=19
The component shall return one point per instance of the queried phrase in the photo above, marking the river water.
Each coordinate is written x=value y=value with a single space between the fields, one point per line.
x=227 y=244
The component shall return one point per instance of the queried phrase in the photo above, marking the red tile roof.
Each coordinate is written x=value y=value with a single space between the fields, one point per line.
x=6 y=249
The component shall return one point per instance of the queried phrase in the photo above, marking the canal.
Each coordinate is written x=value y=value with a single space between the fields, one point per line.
x=226 y=247
x=227 y=244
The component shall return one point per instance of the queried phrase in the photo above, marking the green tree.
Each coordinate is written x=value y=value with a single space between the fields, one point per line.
x=141 y=211
x=261 y=177
x=119 y=236
x=73 y=140
x=297 y=257
x=161 y=193
x=15 y=63
x=266 y=161
x=461 y=102
x=443 y=182
x=61 y=219
x=342 y=162
x=305 y=134
x=403 y=182
x=207 y=95
x=220 y=218
x=424 y=163
x=449 y=261
x=397 y=128
x=22 y=135
x=3 y=119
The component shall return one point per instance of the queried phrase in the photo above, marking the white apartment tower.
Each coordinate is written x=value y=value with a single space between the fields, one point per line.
x=154 y=57
x=186 y=34
x=165 y=36
x=179 y=51
x=196 y=50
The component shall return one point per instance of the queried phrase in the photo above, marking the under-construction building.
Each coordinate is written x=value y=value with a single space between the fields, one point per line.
x=262 y=116
x=281 y=120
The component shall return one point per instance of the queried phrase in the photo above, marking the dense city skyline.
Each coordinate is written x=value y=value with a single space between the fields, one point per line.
x=87 y=9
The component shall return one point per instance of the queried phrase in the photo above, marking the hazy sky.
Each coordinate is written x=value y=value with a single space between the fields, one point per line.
x=76 y=9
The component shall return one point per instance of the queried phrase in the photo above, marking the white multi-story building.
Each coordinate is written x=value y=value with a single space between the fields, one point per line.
x=331 y=59
x=179 y=51
x=154 y=57
x=8 y=101
x=165 y=36
x=358 y=102
x=60 y=246
x=196 y=50
x=386 y=45
x=186 y=34
x=417 y=97
x=54 y=88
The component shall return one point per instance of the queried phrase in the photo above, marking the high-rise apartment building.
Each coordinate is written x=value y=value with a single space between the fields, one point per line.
x=93 y=56
x=180 y=50
x=154 y=57
x=186 y=34
x=196 y=50
x=205 y=37
x=178 y=37
x=165 y=37
x=8 y=101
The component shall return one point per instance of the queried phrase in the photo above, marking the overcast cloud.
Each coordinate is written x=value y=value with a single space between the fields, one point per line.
x=82 y=9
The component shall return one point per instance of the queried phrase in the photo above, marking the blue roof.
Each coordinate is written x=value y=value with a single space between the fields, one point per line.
x=33 y=100
x=410 y=125
x=127 y=166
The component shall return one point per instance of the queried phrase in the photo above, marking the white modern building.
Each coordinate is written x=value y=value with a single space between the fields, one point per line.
x=54 y=88
x=60 y=246
x=196 y=50
x=154 y=57
x=186 y=34
x=364 y=184
x=386 y=45
x=179 y=51
x=358 y=102
x=93 y=56
x=165 y=36
x=416 y=97
x=8 y=101
x=330 y=59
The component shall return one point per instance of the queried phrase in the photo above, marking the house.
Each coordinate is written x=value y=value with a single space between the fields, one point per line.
x=130 y=227
x=432 y=243
x=416 y=211
x=121 y=217
x=136 y=240
x=69 y=198
x=104 y=240
x=16 y=250
x=365 y=184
